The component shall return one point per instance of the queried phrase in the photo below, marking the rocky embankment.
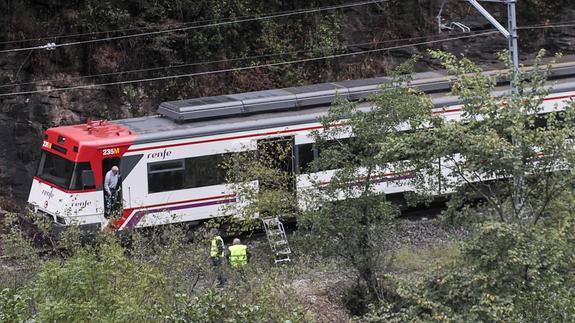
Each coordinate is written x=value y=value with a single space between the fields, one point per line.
x=24 y=117
x=422 y=234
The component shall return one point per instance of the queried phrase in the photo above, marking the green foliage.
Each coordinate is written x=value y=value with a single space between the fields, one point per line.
x=98 y=14
x=328 y=36
x=505 y=150
x=517 y=266
x=24 y=261
x=13 y=305
x=262 y=303
x=506 y=273
x=102 y=284
x=348 y=217
x=262 y=182
x=155 y=275
x=410 y=260
x=172 y=250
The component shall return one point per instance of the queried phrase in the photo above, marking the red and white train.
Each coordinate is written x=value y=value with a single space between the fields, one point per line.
x=169 y=163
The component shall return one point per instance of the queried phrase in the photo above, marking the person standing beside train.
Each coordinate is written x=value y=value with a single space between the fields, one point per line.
x=216 y=248
x=111 y=187
x=238 y=254
x=217 y=255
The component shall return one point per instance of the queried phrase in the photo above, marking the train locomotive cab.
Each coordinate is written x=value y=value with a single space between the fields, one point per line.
x=68 y=185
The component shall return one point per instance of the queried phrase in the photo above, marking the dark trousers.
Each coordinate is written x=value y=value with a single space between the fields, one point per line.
x=111 y=201
x=217 y=269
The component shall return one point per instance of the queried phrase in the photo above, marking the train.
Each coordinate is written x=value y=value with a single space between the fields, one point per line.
x=170 y=162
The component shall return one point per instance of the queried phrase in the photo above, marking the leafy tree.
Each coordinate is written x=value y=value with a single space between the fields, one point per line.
x=262 y=181
x=348 y=217
x=359 y=151
x=507 y=272
x=517 y=157
x=511 y=150
x=13 y=305
x=101 y=284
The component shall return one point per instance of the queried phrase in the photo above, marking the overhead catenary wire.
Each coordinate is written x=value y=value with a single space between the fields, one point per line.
x=244 y=68
x=143 y=27
x=112 y=31
x=540 y=26
x=52 y=46
x=547 y=26
x=160 y=68
x=184 y=24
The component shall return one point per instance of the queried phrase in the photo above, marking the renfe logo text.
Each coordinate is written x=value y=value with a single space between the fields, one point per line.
x=160 y=154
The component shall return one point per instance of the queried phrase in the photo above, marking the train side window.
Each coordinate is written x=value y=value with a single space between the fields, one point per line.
x=166 y=166
x=166 y=176
x=329 y=147
x=204 y=171
x=79 y=180
x=87 y=178
x=55 y=169
x=305 y=156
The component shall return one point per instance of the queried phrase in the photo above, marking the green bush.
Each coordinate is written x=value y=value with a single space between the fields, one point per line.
x=506 y=273
x=264 y=303
x=13 y=305
x=99 y=284
x=160 y=276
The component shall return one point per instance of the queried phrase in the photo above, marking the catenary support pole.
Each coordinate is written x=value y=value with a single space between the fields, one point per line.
x=513 y=42
x=510 y=32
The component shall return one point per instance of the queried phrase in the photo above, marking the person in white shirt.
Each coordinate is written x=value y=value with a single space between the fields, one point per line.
x=111 y=187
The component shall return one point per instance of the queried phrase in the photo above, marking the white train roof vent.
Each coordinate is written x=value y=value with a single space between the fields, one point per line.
x=201 y=108
x=269 y=100
x=318 y=94
x=282 y=99
x=361 y=89
x=253 y=102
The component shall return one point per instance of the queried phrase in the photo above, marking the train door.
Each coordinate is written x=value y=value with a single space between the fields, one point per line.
x=107 y=164
x=278 y=153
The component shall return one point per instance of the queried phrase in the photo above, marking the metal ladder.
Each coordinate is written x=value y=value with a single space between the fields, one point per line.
x=277 y=239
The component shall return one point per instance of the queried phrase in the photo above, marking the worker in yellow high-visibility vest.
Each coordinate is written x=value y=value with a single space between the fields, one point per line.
x=216 y=248
x=217 y=254
x=238 y=254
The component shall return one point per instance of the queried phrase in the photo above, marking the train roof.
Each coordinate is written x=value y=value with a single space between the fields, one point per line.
x=267 y=109
x=283 y=107
x=309 y=96
x=261 y=109
x=302 y=97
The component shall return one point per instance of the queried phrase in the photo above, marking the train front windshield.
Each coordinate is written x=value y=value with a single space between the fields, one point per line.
x=61 y=172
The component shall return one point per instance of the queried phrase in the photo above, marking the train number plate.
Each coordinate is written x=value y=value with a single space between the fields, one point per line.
x=110 y=151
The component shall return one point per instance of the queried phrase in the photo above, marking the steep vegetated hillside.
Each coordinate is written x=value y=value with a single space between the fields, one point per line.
x=27 y=23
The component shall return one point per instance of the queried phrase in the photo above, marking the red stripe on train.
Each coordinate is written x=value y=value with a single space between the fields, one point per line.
x=128 y=212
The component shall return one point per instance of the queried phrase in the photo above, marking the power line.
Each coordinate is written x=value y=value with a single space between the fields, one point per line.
x=244 y=68
x=219 y=61
x=119 y=30
x=144 y=27
x=544 y=26
x=51 y=46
